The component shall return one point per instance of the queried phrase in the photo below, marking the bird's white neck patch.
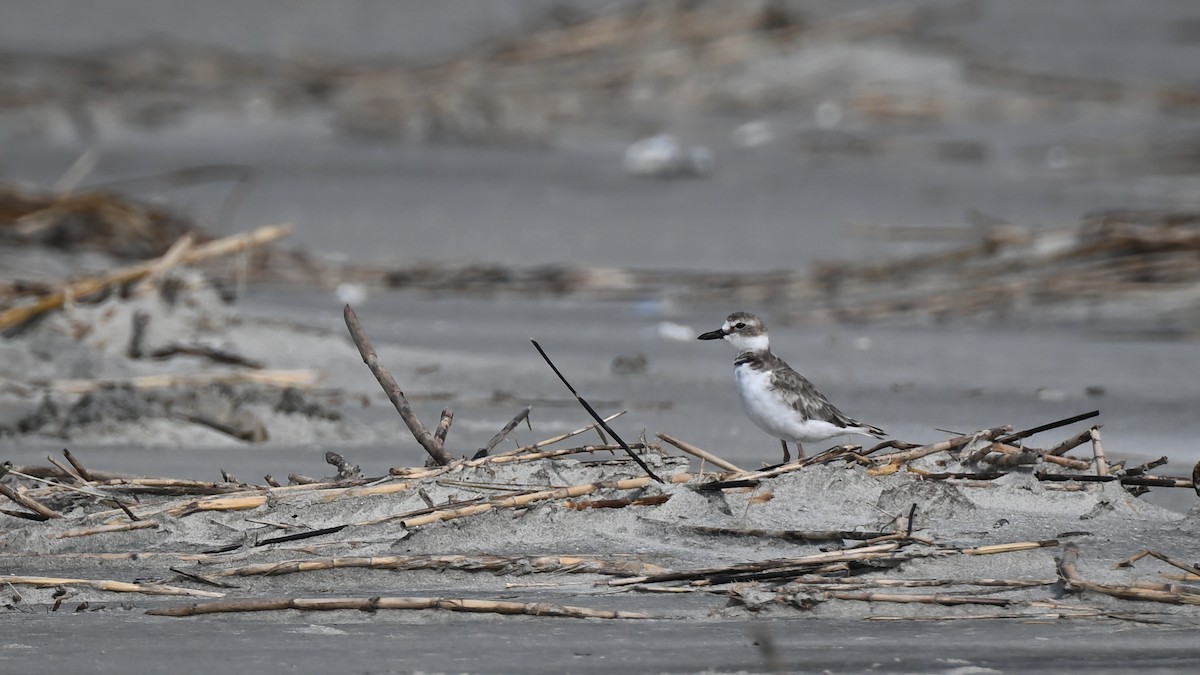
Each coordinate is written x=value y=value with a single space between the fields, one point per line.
x=743 y=343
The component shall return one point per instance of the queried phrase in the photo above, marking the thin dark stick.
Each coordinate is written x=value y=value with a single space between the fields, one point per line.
x=83 y=472
x=595 y=416
x=512 y=424
x=395 y=395
x=1148 y=481
x=1016 y=436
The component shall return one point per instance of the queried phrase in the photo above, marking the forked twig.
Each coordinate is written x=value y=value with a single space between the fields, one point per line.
x=392 y=389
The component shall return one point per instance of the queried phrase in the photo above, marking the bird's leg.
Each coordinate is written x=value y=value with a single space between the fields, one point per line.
x=787 y=456
x=799 y=450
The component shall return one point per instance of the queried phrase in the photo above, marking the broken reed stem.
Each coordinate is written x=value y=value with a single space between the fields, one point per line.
x=1026 y=433
x=118 y=277
x=555 y=564
x=788 y=535
x=107 y=585
x=300 y=379
x=41 y=511
x=160 y=267
x=512 y=424
x=919 y=598
x=557 y=439
x=522 y=500
x=1098 y=452
x=443 y=426
x=120 y=527
x=591 y=411
x=795 y=565
x=1009 y=547
x=1147 y=481
x=379 y=603
x=1073 y=582
x=700 y=453
x=394 y=394
x=652 y=500
x=1071 y=443
x=940 y=446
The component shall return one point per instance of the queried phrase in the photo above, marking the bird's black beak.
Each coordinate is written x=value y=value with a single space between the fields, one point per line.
x=712 y=335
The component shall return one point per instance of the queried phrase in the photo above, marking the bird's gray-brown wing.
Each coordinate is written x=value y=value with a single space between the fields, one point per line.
x=803 y=397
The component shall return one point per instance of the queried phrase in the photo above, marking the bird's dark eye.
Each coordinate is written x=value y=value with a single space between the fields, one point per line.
x=739 y=325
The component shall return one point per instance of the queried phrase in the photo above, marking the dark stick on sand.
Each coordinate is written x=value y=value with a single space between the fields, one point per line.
x=1009 y=438
x=592 y=412
x=500 y=435
x=367 y=351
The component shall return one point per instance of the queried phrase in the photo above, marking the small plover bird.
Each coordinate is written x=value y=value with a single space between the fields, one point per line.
x=778 y=399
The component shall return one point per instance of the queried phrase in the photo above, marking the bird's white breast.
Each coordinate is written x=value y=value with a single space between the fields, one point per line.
x=773 y=414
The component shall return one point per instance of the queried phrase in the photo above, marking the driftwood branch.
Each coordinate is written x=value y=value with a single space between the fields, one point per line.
x=394 y=394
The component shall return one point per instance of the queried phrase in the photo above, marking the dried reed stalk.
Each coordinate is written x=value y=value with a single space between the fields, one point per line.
x=788 y=535
x=919 y=598
x=555 y=564
x=107 y=585
x=940 y=446
x=88 y=286
x=522 y=500
x=790 y=564
x=300 y=379
x=40 y=511
x=652 y=500
x=1098 y=452
x=559 y=438
x=378 y=603
x=1010 y=547
x=119 y=527
x=701 y=453
x=1068 y=571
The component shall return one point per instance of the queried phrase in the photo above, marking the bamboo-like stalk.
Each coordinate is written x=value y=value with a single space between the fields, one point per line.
x=870 y=552
x=522 y=500
x=218 y=504
x=558 y=439
x=411 y=603
x=507 y=429
x=789 y=535
x=300 y=379
x=700 y=453
x=940 y=446
x=42 y=511
x=919 y=598
x=1098 y=452
x=1071 y=443
x=160 y=267
x=494 y=563
x=119 y=527
x=652 y=500
x=84 y=287
x=106 y=585
x=1010 y=547
x=1069 y=572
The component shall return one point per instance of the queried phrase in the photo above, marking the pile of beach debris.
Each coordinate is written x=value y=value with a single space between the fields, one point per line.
x=979 y=517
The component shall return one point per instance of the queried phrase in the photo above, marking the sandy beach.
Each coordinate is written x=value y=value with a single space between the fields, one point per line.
x=950 y=226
